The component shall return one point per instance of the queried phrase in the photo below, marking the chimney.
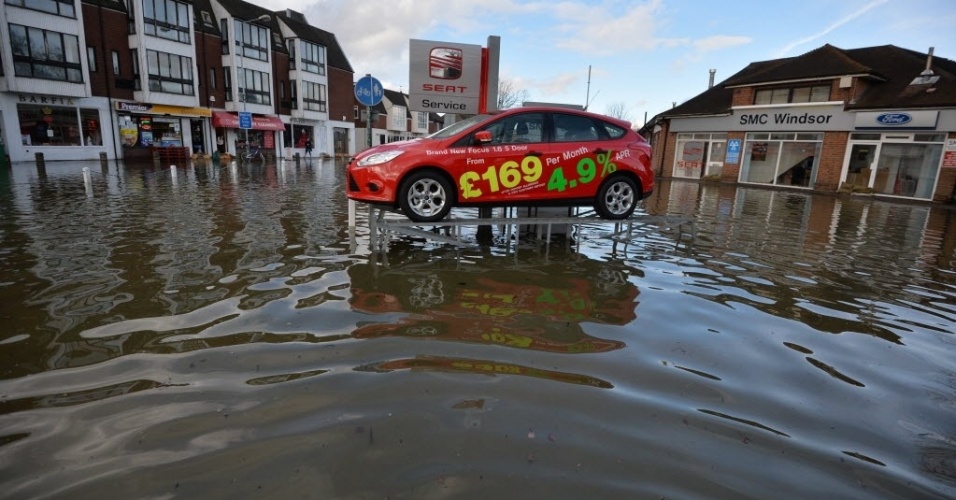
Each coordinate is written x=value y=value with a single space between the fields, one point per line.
x=711 y=84
x=927 y=77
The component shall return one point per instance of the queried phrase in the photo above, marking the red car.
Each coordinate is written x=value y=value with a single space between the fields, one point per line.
x=544 y=156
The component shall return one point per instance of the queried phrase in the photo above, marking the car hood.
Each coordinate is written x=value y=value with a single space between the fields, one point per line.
x=396 y=146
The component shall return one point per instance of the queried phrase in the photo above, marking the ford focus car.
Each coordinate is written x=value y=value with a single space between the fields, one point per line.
x=543 y=156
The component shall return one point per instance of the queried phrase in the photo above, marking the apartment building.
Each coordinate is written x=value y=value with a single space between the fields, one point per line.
x=876 y=120
x=130 y=77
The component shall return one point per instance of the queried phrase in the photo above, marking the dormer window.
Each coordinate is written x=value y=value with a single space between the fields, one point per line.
x=787 y=95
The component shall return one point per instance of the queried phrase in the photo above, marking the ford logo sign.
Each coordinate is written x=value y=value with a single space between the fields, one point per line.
x=894 y=118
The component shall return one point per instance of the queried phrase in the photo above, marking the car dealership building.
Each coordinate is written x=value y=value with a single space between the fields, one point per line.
x=878 y=120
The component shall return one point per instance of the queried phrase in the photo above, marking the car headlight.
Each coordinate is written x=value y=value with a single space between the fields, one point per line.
x=378 y=158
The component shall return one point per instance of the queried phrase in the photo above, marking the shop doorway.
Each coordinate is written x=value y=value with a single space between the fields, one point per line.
x=715 y=160
x=861 y=165
x=198 y=137
x=341 y=139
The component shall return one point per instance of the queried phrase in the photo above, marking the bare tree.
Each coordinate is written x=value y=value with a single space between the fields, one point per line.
x=510 y=96
x=619 y=110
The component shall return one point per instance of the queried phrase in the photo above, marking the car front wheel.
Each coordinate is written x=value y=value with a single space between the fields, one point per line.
x=426 y=197
x=617 y=198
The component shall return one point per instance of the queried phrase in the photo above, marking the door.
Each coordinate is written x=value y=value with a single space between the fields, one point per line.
x=861 y=166
x=715 y=160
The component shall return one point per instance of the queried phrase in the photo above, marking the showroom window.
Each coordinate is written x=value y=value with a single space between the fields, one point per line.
x=45 y=125
x=781 y=158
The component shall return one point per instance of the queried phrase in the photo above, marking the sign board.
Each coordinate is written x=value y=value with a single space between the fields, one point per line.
x=444 y=77
x=770 y=119
x=733 y=151
x=369 y=91
x=907 y=120
x=245 y=119
x=949 y=154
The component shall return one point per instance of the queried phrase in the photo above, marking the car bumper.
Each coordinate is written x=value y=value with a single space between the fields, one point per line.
x=369 y=185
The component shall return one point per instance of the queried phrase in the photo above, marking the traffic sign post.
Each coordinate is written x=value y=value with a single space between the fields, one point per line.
x=369 y=91
x=245 y=120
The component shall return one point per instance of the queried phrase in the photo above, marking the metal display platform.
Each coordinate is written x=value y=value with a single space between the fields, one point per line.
x=385 y=224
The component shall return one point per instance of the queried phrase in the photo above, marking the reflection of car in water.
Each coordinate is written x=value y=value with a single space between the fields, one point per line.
x=483 y=366
x=534 y=304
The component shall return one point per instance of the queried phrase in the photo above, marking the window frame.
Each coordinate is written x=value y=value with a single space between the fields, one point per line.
x=36 y=5
x=179 y=74
x=177 y=30
x=315 y=97
x=255 y=43
x=69 y=45
x=313 y=57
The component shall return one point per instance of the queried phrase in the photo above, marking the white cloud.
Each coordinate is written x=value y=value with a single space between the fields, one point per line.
x=839 y=23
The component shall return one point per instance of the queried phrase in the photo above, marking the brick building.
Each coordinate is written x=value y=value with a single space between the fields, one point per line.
x=79 y=78
x=877 y=120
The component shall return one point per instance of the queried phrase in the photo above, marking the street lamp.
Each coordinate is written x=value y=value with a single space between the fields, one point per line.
x=242 y=73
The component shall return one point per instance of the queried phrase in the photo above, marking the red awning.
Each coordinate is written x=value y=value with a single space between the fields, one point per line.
x=231 y=120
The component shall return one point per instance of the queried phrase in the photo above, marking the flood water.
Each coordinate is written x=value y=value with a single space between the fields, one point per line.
x=221 y=333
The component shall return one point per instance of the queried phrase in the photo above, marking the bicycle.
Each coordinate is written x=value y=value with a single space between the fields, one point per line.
x=253 y=153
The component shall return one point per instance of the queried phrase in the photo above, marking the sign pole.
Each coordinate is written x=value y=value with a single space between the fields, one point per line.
x=368 y=126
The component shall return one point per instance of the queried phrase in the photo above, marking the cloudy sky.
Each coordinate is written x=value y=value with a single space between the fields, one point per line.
x=644 y=55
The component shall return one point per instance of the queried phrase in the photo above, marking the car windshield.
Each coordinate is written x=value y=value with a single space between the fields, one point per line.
x=456 y=127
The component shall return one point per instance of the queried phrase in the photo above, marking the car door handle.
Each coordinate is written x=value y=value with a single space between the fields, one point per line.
x=534 y=153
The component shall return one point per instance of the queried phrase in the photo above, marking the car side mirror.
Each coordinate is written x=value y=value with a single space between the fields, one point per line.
x=482 y=137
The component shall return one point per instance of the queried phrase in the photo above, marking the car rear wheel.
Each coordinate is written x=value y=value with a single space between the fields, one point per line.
x=426 y=197
x=617 y=198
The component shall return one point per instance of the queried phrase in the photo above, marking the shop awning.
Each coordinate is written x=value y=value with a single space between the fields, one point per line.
x=231 y=120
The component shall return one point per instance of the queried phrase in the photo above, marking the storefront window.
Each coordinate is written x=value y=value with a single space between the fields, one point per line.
x=784 y=159
x=148 y=131
x=700 y=154
x=301 y=133
x=42 y=125
x=907 y=169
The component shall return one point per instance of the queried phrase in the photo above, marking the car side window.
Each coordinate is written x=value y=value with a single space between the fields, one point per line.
x=516 y=129
x=574 y=128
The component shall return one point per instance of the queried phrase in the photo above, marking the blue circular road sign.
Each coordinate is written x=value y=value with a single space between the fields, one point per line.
x=369 y=91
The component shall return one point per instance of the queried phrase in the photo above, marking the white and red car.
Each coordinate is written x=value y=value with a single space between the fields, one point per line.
x=543 y=156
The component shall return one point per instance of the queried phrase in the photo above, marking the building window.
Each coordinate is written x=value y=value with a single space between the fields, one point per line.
x=212 y=78
x=786 y=95
x=281 y=89
x=291 y=46
x=252 y=41
x=63 y=8
x=224 y=29
x=169 y=73
x=227 y=82
x=422 y=121
x=313 y=58
x=116 y=63
x=45 y=125
x=49 y=55
x=167 y=19
x=254 y=87
x=134 y=56
x=781 y=158
x=91 y=58
x=314 y=97
x=355 y=112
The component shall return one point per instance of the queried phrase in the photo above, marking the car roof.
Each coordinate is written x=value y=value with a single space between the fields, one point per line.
x=562 y=109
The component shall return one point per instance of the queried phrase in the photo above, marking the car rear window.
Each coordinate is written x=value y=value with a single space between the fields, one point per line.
x=574 y=128
x=614 y=131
